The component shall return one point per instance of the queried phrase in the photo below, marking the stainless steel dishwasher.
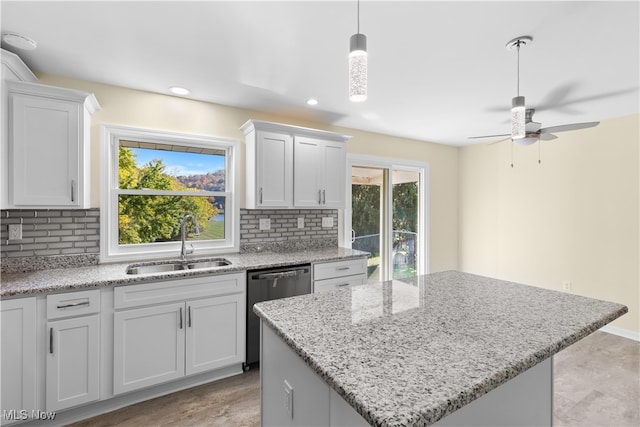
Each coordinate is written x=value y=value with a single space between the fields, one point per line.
x=265 y=285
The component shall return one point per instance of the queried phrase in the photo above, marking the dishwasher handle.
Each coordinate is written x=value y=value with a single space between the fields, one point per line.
x=280 y=274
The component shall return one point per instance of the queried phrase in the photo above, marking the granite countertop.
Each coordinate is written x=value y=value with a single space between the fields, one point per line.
x=66 y=279
x=408 y=354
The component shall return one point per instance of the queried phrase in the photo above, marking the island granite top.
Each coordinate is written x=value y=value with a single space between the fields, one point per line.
x=408 y=354
x=68 y=279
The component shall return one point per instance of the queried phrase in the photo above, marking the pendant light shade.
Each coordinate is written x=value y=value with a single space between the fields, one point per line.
x=358 y=65
x=358 y=68
x=518 y=114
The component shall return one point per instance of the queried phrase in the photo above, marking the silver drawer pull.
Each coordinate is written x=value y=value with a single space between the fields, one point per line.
x=342 y=285
x=343 y=268
x=74 y=305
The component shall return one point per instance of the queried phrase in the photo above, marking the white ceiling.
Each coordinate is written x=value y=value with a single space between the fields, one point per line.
x=438 y=71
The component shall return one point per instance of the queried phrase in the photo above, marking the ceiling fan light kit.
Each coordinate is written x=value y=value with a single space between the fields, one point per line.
x=358 y=65
x=518 y=112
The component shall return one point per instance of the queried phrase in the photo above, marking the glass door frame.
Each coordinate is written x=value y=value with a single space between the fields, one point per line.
x=345 y=216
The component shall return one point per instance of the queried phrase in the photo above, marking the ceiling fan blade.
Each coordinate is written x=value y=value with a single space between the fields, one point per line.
x=547 y=136
x=573 y=126
x=488 y=136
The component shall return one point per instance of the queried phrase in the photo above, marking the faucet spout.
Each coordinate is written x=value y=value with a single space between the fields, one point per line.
x=183 y=234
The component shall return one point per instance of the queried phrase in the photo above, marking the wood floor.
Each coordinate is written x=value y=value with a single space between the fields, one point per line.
x=596 y=383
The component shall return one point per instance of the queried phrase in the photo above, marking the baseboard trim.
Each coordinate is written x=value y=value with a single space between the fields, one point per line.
x=624 y=333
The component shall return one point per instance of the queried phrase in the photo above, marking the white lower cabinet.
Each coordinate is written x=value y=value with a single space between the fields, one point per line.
x=215 y=327
x=148 y=346
x=18 y=358
x=73 y=349
x=73 y=357
x=181 y=336
x=339 y=274
x=292 y=394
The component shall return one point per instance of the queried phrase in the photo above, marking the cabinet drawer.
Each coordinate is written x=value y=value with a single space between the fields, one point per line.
x=73 y=304
x=330 y=270
x=338 y=283
x=178 y=290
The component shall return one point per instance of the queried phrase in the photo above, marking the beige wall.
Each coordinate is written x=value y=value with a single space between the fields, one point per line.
x=127 y=107
x=575 y=217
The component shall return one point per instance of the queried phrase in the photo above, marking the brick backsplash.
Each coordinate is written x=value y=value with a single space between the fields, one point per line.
x=50 y=232
x=54 y=238
x=284 y=233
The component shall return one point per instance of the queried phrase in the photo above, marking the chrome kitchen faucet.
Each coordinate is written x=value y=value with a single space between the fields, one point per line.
x=183 y=224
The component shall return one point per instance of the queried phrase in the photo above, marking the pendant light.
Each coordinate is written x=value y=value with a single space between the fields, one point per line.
x=518 y=110
x=358 y=65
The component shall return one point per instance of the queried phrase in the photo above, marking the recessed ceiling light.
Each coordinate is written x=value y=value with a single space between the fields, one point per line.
x=312 y=101
x=19 y=41
x=179 y=90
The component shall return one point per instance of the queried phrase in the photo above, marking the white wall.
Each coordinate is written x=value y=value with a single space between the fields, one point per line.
x=575 y=217
x=122 y=106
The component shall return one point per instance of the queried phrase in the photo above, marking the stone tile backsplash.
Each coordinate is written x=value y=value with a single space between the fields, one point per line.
x=50 y=238
x=71 y=238
x=283 y=233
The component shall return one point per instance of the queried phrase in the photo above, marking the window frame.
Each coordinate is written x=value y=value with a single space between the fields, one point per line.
x=110 y=249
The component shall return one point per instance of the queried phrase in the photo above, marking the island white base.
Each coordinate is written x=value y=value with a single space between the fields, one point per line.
x=292 y=394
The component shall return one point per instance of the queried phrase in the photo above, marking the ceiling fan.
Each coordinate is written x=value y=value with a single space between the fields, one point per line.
x=524 y=131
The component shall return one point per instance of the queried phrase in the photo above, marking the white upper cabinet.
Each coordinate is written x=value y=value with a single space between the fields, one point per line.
x=319 y=177
x=48 y=146
x=293 y=167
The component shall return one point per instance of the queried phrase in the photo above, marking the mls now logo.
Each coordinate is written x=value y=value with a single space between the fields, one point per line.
x=23 y=414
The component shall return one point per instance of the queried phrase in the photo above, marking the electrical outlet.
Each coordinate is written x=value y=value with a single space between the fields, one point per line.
x=265 y=223
x=15 y=231
x=301 y=222
x=566 y=286
x=288 y=398
x=327 y=221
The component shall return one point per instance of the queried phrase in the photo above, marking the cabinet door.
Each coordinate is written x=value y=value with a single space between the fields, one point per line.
x=148 y=346
x=18 y=357
x=308 y=163
x=215 y=333
x=44 y=136
x=333 y=174
x=274 y=170
x=73 y=356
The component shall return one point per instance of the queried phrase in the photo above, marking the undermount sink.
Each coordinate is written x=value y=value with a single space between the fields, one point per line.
x=160 y=267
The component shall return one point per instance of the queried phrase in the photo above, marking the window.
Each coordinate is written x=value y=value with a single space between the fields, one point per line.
x=151 y=179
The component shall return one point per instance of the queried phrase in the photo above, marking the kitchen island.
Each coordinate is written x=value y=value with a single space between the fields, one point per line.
x=445 y=348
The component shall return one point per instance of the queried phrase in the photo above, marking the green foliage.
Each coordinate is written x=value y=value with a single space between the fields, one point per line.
x=147 y=219
x=405 y=206
x=366 y=208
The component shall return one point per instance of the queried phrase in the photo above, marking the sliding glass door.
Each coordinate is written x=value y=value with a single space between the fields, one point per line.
x=387 y=218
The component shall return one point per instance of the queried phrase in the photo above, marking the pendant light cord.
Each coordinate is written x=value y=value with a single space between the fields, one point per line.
x=358 y=17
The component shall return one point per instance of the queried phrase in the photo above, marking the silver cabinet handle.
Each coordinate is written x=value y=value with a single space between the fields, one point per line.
x=353 y=235
x=73 y=190
x=342 y=285
x=343 y=268
x=189 y=316
x=50 y=340
x=180 y=317
x=73 y=304
x=260 y=195
x=324 y=199
x=319 y=197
